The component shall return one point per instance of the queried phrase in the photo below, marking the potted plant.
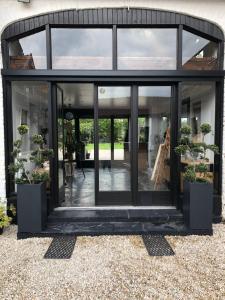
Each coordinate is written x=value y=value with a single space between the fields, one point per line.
x=31 y=176
x=5 y=220
x=198 y=186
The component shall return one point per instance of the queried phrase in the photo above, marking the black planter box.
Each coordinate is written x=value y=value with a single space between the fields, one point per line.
x=1 y=230
x=198 y=205
x=31 y=207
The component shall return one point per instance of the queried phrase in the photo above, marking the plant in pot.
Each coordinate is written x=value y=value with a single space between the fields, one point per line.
x=31 y=175
x=198 y=186
x=5 y=220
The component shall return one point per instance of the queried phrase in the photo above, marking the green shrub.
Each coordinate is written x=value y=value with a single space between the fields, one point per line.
x=185 y=130
x=196 y=152
x=205 y=128
x=190 y=174
x=4 y=219
x=39 y=156
x=23 y=129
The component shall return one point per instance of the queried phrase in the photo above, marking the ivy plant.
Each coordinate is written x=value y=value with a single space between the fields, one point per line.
x=196 y=153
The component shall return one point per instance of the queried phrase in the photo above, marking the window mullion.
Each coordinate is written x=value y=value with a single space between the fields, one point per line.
x=48 y=46
x=179 y=47
x=114 y=47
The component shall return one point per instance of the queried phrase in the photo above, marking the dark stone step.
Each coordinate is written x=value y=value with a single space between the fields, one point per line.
x=109 y=228
x=157 y=216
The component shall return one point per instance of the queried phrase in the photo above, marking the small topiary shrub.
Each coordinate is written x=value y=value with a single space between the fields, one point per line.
x=39 y=156
x=197 y=171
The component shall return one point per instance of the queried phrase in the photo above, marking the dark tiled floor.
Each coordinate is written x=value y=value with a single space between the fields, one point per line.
x=79 y=191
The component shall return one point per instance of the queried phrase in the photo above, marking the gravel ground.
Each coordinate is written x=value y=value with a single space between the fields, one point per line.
x=113 y=267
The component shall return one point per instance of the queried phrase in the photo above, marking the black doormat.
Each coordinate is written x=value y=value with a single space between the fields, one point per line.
x=61 y=247
x=157 y=245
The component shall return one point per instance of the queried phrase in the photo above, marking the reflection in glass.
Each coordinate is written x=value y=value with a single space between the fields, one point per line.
x=87 y=137
x=30 y=107
x=28 y=52
x=146 y=49
x=120 y=132
x=114 y=138
x=198 y=53
x=198 y=107
x=86 y=48
x=78 y=144
x=154 y=138
x=60 y=138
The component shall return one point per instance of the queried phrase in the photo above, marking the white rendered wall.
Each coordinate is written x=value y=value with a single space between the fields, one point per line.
x=12 y=10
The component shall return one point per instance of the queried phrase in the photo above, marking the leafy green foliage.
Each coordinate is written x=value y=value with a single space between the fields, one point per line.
x=185 y=130
x=201 y=168
x=196 y=149
x=37 y=139
x=23 y=129
x=4 y=219
x=184 y=140
x=40 y=177
x=202 y=180
x=190 y=174
x=181 y=149
x=205 y=128
x=196 y=153
x=39 y=156
x=17 y=144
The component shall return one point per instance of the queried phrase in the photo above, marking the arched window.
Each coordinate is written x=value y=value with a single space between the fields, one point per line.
x=130 y=40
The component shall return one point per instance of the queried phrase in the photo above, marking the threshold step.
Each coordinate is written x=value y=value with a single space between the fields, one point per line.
x=108 y=228
x=128 y=215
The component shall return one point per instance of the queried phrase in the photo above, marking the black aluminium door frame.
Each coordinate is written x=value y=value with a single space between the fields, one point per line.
x=134 y=197
x=160 y=196
x=194 y=76
x=110 y=197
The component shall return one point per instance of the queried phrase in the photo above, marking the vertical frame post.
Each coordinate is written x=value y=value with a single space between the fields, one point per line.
x=112 y=136
x=174 y=160
x=48 y=46
x=52 y=125
x=114 y=47
x=179 y=47
x=8 y=134
x=96 y=144
x=134 y=144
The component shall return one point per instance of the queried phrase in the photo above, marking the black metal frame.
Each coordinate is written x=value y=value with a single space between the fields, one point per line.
x=113 y=18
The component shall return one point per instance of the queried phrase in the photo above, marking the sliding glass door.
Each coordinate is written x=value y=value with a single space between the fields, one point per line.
x=114 y=145
x=133 y=142
x=154 y=144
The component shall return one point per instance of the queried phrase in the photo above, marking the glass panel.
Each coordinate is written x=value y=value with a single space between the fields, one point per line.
x=30 y=107
x=121 y=144
x=104 y=133
x=78 y=112
x=198 y=107
x=87 y=137
x=198 y=53
x=114 y=168
x=28 y=52
x=154 y=138
x=81 y=48
x=147 y=49
x=60 y=131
